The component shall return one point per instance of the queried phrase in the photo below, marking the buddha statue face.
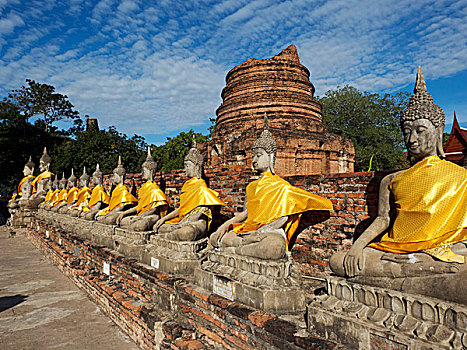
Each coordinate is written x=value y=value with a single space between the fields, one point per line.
x=421 y=138
x=191 y=169
x=43 y=166
x=71 y=183
x=116 y=179
x=96 y=180
x=83 y=182
x=27 y=171
x=262 y=161
x=146 y=174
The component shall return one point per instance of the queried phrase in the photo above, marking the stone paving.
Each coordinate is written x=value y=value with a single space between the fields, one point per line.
x=41 y=309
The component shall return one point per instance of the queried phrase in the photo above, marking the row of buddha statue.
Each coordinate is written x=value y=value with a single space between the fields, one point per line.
x=427 y=234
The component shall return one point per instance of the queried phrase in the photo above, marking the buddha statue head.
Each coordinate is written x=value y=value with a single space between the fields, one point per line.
x=72 y=179
x=44 y=162
x=149 y=167
x=29 y=167
x=264 y=150
x=62 y=183
x=194 y=162
x=55 y=184
x=84 y=179
x=97 y=176
x=422 y=123
x=119 y=173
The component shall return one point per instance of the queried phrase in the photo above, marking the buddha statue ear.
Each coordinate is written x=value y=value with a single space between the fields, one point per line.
x=439 y=142
x=271 y=163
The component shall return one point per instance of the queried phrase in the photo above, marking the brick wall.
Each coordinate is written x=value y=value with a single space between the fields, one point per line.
x=160 y=311
x=353 y=195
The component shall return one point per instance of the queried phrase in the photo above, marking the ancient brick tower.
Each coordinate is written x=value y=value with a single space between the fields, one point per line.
x=279 y=87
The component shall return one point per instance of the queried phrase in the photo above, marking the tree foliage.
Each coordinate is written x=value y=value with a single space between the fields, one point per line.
x=371 y=121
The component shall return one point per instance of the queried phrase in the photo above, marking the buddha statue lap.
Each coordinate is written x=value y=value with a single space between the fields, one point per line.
x=71 y=196
x=41 y=184
x=191 y=221
x=84 y=194
x=152 y=202
x=273 y=209
x=99 y=197
x=426 y=243
x=120 y=199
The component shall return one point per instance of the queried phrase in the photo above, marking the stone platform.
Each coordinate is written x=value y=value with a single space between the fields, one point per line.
x=369 y=317
x=263 y=284
x=177 y=257
x=22 y=218
x=130 y=243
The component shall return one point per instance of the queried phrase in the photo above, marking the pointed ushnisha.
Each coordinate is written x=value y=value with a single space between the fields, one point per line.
x=120 y=170
x=420 y=85
x=149 y=163
x=265 y=140
x=193 y=154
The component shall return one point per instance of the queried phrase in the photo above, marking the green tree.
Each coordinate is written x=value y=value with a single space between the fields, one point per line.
x=172 y=154
x=371 y=121
x=38 y=99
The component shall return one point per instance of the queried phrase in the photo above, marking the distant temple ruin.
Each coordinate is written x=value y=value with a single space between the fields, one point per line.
x=280 y=88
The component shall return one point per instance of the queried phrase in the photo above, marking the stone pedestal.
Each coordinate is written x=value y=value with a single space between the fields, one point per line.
x=22 y=217
x=130 y=243
x=269 y=285
x=367 y=317
x=84 y=228
x=180 y=257
x=102 y=234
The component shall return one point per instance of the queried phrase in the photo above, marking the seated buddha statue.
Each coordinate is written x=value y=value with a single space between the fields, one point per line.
x=273 y=209
x=24 y=187
x=51 y=196
x=192 y=220
x=84 y=194
x=62 y=193
x=99 y=197
x=429 y=232
x=41 y=184
x=72 y=194
x=152 y=202
x=120 y=200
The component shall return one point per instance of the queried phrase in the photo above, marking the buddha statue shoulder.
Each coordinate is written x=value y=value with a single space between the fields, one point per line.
x=192 y=220
x=120 y=199
x=273 y=209
x=99 y=197
x=429 y=232
x=152 y=202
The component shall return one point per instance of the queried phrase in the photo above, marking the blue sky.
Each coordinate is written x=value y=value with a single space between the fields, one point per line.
x=156 y=68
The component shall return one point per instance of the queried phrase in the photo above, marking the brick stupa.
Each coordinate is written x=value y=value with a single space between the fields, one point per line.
x=279 y=87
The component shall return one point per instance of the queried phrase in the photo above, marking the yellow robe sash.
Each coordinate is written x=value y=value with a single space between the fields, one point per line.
x=98 y=195
x=120 y=197
x=39 y=178
x=271 y=197
x=61 y=197
x=150 y=196
x=83 y=198
x=431 y=202
x=72 y=195
x=48 y=195
x=195 y=193
x=20 y=186
x=53 y=198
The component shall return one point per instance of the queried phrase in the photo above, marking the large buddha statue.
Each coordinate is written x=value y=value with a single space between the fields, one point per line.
x=84 y=194
x=120 y=200
x=24 y=188
x=41 y=184
x=62 y=193
x=273 y=209
x=99 y=197
x=72 y=194
x=152 y=202
x=429 y=232
x=191 y=221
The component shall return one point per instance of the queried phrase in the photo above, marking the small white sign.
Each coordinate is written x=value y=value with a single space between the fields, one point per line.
x=59 y=241
x=155 y=262
x=223 y=287
x=106 y=269
x=47 y=234
x=38 y=227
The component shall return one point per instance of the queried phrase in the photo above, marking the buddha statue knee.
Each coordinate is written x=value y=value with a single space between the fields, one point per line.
x=191 y=221
x=151 y=201
x=273 y=209
x=427 y=234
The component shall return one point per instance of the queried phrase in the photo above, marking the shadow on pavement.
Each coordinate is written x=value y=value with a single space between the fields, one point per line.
x=10 y=301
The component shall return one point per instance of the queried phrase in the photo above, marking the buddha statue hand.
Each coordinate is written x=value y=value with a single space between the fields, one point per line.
x=353 y=261
x=119 y=219
x=158 y=224
x=216 y=237
x=418 y=264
